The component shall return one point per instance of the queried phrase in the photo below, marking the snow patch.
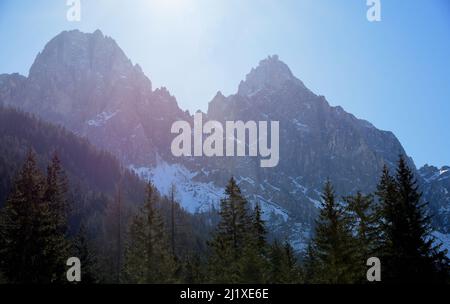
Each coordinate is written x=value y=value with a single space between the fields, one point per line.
x=300 y=237
x=101 y=119
x=300 y=126
x=193 y=196
x=317 y=203
x=241 y=179
x=444 y=239
x=270 y=208
x=298 y=186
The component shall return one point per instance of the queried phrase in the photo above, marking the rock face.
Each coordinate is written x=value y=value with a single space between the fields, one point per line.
x=86 y=83
x=11 y=86
x=317 y=142
x=436 y=189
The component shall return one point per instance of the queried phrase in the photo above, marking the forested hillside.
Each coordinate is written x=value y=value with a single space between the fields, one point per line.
x=102 y=196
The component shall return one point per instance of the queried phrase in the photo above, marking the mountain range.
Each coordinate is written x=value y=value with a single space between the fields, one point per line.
x=86 y=83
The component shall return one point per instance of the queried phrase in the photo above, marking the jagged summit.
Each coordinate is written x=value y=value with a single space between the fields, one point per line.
x=84 y=55
x=85 y=82
x=271 y=73
x=219 y=94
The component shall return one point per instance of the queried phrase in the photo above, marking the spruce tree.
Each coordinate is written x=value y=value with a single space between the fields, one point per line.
x=56 y=194
x=254 y=261
x=259 y=230
x=112 y=255
x=149 y=257
x=88 y=260
x=226 y=264
x=362 y=220
x=407 y=248
x=54 y=215
x=388 y=215
x=20 y=226
x=194 y=271
x=173 y=231
x=284 y=268
x=35 y=248
x=293 y=269
x=330 y=258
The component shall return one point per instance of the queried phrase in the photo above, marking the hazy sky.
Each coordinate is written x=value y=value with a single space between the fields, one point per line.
x=394 y=73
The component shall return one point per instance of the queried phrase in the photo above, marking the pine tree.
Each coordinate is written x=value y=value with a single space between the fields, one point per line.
x=148 y=255
x=54 y=212
x=194 y=270
x=292 y=267
x=172 y=218
x=283 y=264
x=88 y=260
x=119 y=241
x=362 y=219
x=113 y=249
x=407 y=248
x=329 y=256
x=259 y=230
x=56 y=193
x=226 y=263
x=35 y=248
x=20 y=255
x=254 y=262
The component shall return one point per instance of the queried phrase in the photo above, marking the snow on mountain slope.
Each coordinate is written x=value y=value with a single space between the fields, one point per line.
x=193 y=196
x=196 y=196
x=436 y=190
x=445 y=239
x=101 y=118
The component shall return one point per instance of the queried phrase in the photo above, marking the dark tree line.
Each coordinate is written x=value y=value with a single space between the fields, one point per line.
x=393 y=225
x=34 y=226
x=156 y=243
x=239 y=251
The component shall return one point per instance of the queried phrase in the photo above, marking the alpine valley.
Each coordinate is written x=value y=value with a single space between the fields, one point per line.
x=85 y=82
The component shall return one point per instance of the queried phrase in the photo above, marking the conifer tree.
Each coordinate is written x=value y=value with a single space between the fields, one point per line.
x=387 y=212
x=291 y=262
x=83 y=250
x=21 y=224
x=329 y=255
x=362 y=220
x=56 y=194
x=259 y=230
x=172 y=218
x=194 y=270
x=148 y=255
x=283 y=264
x=254 y=262
x=408 y=250
x=35 y=248
x=53 y=232
x=231 y=237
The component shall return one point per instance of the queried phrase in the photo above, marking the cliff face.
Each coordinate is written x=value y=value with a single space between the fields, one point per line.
x=86 y=83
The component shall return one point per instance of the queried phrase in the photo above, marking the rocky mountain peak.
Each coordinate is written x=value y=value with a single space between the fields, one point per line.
x=82 y=56
x=430 y=173
x=216 y=105
x=10 y=86
x=271 y=73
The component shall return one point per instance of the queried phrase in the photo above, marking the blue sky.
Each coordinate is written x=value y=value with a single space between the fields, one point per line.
x=394 y=73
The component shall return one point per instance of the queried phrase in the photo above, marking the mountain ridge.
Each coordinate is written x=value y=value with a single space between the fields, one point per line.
x=86 y=83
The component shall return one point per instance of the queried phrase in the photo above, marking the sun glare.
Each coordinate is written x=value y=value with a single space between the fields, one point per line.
x=174 y=6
